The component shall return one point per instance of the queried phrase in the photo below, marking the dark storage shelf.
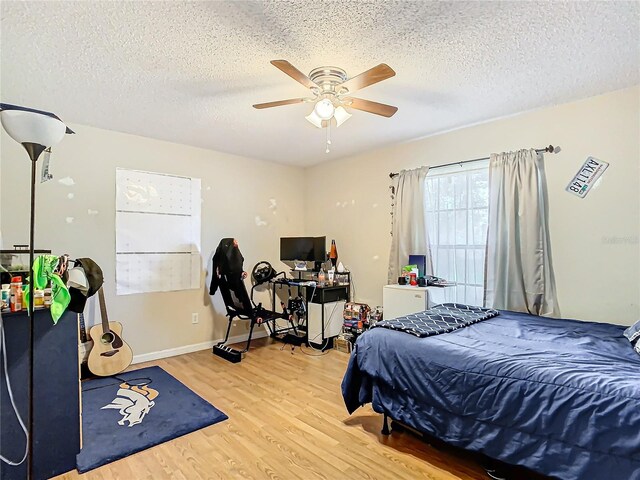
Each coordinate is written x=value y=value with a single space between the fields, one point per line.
x=56 y=412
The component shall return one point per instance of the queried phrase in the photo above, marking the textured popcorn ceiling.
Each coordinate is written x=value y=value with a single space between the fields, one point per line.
x=189 y=72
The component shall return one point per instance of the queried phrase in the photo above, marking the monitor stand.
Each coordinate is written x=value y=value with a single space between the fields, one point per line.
x=300 y=265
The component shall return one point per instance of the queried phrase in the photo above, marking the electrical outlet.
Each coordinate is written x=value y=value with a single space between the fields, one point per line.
x=194 y=318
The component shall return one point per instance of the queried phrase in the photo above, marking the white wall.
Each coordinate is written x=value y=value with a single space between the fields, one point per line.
x=595 y=241
x=234 y=191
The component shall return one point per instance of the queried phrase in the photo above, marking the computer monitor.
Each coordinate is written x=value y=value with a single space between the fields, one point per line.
x=319 y=249
x=309 y=249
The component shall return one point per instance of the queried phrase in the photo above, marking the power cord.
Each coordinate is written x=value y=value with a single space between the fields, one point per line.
x=353 y=286
x=313 y=354
x=145 y=381
x=3 y=346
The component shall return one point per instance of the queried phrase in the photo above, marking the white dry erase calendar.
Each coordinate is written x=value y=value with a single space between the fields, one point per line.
x=590 y=171
x=157 y=232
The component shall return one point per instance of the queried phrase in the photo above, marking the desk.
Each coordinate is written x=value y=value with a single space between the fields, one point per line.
x=324 y=306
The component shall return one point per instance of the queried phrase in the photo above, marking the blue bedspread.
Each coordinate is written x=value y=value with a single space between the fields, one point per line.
x=561 y=397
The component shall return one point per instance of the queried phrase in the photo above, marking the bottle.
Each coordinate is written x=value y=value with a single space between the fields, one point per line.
x=333 y=254
x=16 y=294
x=47 y=297
x=38 y=298
x=321 y=277
x=6 y=293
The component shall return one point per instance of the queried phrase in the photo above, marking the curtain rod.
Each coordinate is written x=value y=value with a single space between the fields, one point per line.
x=549 y=149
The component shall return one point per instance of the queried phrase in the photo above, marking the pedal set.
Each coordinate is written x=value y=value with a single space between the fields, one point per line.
x=230 y=354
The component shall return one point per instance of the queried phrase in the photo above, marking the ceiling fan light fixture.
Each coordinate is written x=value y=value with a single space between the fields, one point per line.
x=328 y=85
x=341 y=115
x=324 y=109
x=314 y=119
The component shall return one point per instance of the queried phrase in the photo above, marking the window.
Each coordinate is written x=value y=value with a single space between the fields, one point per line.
x=457 y=208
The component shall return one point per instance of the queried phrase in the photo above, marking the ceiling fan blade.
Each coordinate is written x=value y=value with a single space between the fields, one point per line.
x=373 y=75
x=279 y=103
x=371 y=107
x=294 y=73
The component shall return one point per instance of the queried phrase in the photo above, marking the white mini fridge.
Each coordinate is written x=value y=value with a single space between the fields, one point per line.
x=400 y=300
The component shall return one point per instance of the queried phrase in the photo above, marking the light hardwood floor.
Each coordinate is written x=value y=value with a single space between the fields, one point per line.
x=287 y=420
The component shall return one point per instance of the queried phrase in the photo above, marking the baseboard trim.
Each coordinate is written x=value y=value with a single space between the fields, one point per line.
x=196 y=347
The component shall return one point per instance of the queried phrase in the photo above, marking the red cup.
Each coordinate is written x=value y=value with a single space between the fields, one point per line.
x=413 y=279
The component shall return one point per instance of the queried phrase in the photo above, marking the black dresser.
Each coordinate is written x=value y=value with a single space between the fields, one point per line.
x=56 y=394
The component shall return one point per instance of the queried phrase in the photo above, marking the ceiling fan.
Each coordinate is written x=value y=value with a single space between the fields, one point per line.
x=331 y=91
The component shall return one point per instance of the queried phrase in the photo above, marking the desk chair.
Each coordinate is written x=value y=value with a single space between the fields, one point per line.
x=239 y=305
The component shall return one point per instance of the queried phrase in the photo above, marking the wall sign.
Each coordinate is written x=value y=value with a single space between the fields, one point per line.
x=590 y=171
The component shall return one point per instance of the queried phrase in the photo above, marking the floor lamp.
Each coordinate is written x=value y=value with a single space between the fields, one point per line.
x=36 y=131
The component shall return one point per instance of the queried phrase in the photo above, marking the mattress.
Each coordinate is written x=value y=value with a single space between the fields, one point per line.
x=561 y=397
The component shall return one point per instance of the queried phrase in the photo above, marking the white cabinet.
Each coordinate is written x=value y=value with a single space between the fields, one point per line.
x=399 y=300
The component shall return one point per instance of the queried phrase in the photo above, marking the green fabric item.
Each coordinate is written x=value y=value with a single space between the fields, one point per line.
x=43 y=268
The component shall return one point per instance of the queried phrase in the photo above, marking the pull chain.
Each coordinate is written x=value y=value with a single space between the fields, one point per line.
x=328 y=136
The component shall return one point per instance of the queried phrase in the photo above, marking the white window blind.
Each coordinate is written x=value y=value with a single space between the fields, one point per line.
x=456 y=214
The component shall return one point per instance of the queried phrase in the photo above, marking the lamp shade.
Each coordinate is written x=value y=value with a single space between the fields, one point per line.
x=30 y=127
x=324 y=109
x=341 y=116
x=314 y=119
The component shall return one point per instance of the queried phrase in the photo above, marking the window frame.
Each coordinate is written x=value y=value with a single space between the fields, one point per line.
x=452 y=248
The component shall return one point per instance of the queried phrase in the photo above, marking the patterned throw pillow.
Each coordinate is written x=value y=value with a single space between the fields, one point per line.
x=633 y=335
x=443 y=318
x=633 y=332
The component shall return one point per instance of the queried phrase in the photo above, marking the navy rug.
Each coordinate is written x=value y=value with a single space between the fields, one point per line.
x=136 y=410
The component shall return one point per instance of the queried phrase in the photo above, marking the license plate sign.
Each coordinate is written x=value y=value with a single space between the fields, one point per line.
x=590 y=171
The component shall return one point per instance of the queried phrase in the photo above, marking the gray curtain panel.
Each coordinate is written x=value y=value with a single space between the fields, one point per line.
x=519 y=271
x=408 y=224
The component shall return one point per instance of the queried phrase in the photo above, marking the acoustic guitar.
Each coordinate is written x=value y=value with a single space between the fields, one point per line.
x=110 y=354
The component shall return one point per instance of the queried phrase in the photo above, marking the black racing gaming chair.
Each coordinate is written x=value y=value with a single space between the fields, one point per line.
x=239 y=305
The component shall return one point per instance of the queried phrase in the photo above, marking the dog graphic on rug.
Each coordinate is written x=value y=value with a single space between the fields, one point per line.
x=133 y=402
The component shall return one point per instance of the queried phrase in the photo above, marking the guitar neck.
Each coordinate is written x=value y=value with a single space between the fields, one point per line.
x=83 y=328
x=103 y=311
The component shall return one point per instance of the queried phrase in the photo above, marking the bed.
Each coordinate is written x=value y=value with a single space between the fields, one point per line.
x=561 y=397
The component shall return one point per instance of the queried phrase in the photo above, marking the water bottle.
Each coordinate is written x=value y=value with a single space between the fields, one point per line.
x=321 y=278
